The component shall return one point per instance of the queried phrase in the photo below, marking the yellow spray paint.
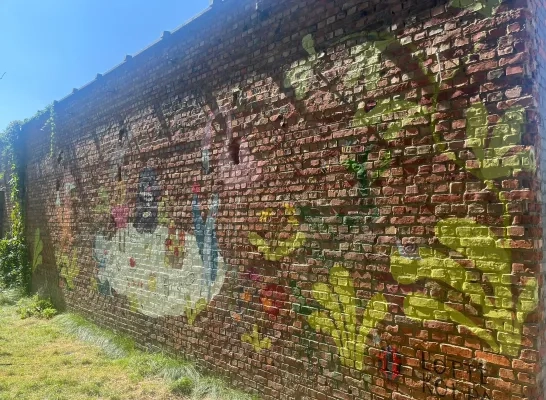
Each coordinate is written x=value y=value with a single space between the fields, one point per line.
x=339 y=317
x=193 y=311
x=276 y=250
x=37 y=253
x=254 y=340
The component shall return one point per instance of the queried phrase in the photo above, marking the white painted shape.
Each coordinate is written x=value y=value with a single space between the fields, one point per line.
x=174 y=286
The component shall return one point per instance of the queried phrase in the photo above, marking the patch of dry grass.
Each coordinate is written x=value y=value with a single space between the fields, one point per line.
x=70 y=358
x=39 y=361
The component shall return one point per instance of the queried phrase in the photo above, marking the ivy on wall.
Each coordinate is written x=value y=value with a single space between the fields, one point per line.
x=15 y=269
x=15 y=266
x=52 y=128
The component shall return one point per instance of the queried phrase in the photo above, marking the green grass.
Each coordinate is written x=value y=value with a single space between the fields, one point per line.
x=67 y=357
x=9 y=297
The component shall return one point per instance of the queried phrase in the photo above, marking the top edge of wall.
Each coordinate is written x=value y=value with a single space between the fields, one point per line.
x=166 y=34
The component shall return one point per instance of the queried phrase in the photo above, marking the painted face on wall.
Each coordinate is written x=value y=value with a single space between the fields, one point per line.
x=147 y=203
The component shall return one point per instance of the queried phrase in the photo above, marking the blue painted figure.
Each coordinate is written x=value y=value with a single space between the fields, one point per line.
x=205 y=234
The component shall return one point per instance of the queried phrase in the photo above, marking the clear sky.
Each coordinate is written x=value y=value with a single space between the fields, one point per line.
x=49 y=47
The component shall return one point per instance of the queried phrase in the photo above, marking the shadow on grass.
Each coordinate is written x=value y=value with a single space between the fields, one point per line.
x=182 y=376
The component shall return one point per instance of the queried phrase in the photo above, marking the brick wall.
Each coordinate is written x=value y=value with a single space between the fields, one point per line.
x=317 y=199
x=538 y=11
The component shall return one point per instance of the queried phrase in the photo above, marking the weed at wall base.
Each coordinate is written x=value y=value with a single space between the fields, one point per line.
x=35 y=307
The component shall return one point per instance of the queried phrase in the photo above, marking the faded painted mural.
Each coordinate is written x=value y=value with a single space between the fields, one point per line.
x=275 y=249
x=161 y=269
x=37 y=247
x=66 y=252
x=351 y=273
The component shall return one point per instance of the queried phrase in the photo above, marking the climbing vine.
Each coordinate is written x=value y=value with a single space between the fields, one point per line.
x=52 y=128
x=15 y=269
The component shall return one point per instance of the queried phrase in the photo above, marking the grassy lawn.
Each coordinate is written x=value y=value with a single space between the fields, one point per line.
x=67 y=357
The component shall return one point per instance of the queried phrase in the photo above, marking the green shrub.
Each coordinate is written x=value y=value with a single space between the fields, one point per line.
x=49 y=313
x=35 y=307
x=13 y=263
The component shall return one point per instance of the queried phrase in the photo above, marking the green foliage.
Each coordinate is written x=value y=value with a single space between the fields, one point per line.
x=158 y=365
x=35 y=306
x=52 y=128
x=13 y=273
x=113 y=346
x=15 y=269
x=37 y=253
x=15 y=266
x=40 y=361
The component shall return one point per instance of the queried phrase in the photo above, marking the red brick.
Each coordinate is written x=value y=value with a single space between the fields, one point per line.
x=276 y=142
x=456 y=351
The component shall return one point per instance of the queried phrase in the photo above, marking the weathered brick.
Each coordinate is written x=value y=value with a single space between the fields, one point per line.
x=304 y=179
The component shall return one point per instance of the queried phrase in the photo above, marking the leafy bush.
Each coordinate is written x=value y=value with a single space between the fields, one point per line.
x=49 y=313
x=35 y=307
x=13 y=263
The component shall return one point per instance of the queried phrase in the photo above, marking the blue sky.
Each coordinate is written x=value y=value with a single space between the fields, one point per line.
x=48 y=47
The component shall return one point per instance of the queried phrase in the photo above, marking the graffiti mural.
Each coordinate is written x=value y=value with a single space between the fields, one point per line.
x=485 y=7
x=37 y=258
x=300 y=76
x=342 y=237
x=338 y=316
x=437 y=378
x=470 y=258
x=69 y=268
x=120 y=210
x=161 y=269
x=491 y=256
x=66 y=254
x=193 y=312
x=102 y=206
x=205 y=235
x=254 y=339
x=147 y=204
x=276 y=249
x=390 y=361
